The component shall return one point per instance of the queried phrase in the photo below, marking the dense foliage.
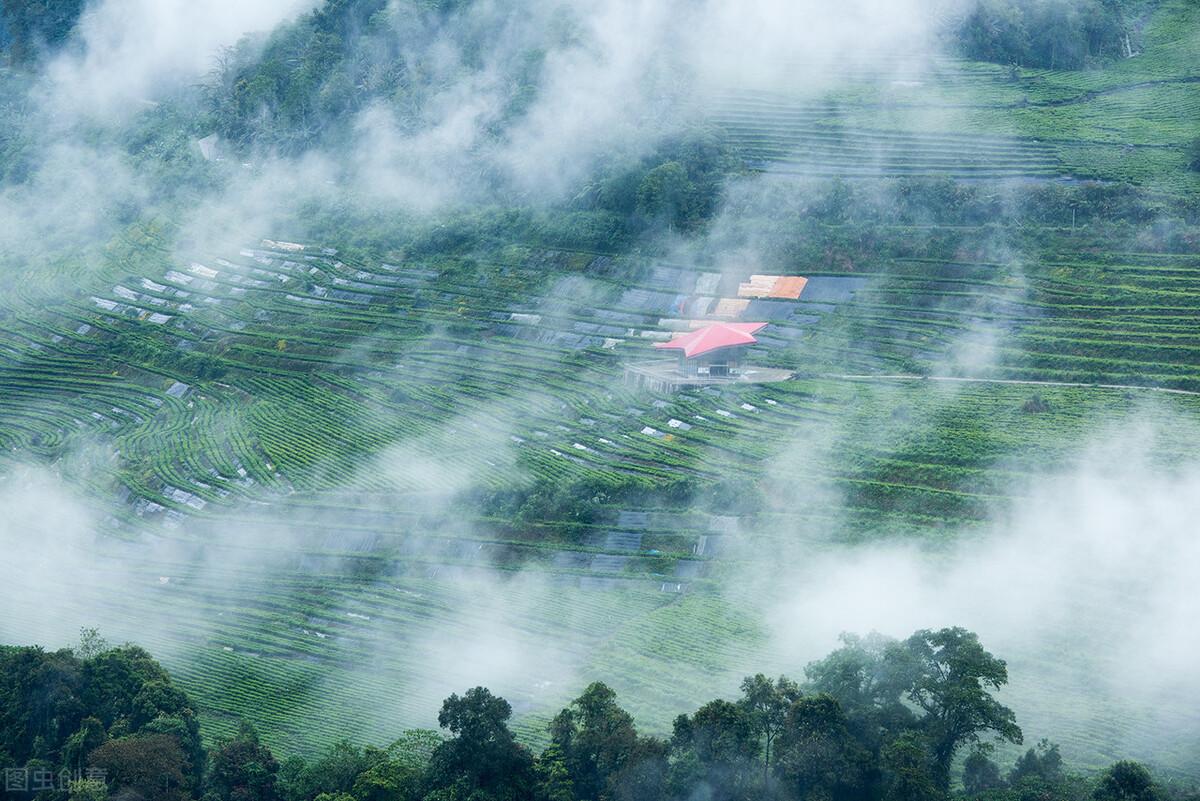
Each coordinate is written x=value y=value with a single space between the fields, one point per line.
x=876 y=719
x=115 y=710
x=31 y=27
x=1055 y=34
x=313 y=76
x=306 y=80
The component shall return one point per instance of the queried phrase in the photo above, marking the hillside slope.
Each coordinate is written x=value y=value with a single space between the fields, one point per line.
x=321 y=468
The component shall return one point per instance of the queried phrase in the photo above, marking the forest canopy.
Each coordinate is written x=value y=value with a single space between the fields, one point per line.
x=877 y=718
x=29 y=28
x=1051 y=34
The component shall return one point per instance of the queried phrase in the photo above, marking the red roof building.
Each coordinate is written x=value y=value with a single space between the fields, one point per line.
x=713 y=337
x=714 y=350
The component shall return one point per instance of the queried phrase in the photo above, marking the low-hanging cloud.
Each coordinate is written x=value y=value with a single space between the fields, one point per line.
x=129 y=50
x=1087 y=586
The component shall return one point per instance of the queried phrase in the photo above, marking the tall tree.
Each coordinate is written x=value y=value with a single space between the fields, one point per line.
x=908 y=774
x=37 y=25
x=87 y=738
x=980 y=773
x=553 y=778
x=151 y=767
x=1126 y=781
x=953 y=681
x=482 y=761
x=40 y=701
x=90 y=643
x=333 y=773
x=819 y=758
x=395 y=773
x=766 y=702
x=1043 y=763
x=868 y=676
x=666 y=193
x=644 y=774
x=114 y=681
x=596 y=738
x=720 y=746
x=243 y=769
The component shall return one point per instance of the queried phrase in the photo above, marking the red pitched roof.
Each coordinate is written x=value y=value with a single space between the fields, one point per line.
x=713 y=337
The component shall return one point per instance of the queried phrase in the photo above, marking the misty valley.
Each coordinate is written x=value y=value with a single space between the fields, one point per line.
x=479 y=400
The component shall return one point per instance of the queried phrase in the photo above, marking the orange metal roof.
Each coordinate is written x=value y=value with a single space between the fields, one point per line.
x=713 y=337
x=789 y=286
x=772 y=286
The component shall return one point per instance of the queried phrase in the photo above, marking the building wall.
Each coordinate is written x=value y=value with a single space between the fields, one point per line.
x=732 y=357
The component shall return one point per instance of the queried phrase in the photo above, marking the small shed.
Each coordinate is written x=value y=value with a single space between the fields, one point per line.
x=715 y=350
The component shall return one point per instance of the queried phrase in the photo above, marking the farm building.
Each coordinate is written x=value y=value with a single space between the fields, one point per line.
x=711 y=354
x=715 y=350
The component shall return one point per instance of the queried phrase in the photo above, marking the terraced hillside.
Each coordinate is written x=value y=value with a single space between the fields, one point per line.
x=318 y=474
x=789 y=137
x=302 y=423
x=1132 y=121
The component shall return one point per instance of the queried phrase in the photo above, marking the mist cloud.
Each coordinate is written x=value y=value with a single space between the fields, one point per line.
x=129 y=50
x=1086 y=585
x=1102 y=552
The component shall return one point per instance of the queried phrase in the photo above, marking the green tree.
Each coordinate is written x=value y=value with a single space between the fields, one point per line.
x=644 y=774
x=722 y=747
x=87 y=738
x=335 y=772
x=482 y=761
x=953 y=681
x=766 y=703
x=909 y=774
x=596 y=738
x=980 y=773
x=395 y=773
x=995 y=31
x=90 y=643
x=41 y=702
x=291 y=783
x=1043 y=763
x=665 y=193
x=243 y=769
x=868 y=676
x=37 y=25
x=156 y=698
x=818 y=756
x=1126 y=781
x=1037 y=33
x=151 y=766
x=552 y=777
x=114 y=679
x=186 y=730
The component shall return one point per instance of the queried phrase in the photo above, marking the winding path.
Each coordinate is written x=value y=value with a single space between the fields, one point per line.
x=1026 y=382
